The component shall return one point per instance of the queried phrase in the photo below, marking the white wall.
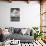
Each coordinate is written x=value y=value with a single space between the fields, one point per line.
x=29 y=14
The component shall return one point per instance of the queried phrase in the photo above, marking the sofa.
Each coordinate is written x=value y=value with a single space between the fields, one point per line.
x=17 y=34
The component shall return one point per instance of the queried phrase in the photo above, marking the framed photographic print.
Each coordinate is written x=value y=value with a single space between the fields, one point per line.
x=15 y=14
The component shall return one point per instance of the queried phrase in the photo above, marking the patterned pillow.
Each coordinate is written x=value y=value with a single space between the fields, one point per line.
x=17 y=30
x=11 y=30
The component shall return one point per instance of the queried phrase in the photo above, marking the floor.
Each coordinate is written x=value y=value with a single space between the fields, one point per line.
x=35 y=43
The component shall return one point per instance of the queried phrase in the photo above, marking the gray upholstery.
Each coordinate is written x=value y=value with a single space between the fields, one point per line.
x=22 y=38
x=16 y=34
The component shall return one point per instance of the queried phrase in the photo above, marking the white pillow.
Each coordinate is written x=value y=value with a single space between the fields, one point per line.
x=5 y=32
x=23 y=31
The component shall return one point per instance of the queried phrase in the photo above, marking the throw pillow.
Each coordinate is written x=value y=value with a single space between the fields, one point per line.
x=17 y=30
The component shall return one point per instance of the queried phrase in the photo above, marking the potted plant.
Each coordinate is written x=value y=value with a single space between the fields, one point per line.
x=37 y=33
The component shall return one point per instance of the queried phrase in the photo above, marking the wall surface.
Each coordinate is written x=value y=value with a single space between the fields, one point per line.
x=29 y=14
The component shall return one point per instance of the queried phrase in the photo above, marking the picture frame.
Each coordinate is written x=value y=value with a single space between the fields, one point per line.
x=15 y=14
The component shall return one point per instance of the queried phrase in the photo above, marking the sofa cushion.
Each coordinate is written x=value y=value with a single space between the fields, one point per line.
x=22 y=38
